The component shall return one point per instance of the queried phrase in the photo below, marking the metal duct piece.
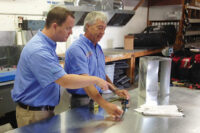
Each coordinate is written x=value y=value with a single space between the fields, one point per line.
x=116 y=17
x=101 y=4
x=153 y=69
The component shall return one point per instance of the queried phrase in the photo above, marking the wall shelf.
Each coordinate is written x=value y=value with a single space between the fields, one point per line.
x=192 y=7
x=188 y=26
x=191 y=24
x=192 y=33
x=193 y=44
x=194 y=20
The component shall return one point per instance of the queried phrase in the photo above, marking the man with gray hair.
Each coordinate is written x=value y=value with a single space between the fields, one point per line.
x=85 y=57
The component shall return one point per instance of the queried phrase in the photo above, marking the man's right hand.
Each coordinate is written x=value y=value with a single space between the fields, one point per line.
x=113 y=109
x=104 y=85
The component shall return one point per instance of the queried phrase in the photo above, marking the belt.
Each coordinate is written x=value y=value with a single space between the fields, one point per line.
x=40 y=108
x=79 y=96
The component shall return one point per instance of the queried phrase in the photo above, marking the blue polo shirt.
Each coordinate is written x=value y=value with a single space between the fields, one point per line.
x=37 y=70
x=82 y=57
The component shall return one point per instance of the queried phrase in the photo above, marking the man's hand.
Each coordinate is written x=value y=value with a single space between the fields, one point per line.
x=123 y=94
x=112 y=109
x=104 y=85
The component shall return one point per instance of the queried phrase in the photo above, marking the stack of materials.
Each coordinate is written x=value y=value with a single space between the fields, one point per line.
x=116 y=71
x=160 y=110
x=121 y=80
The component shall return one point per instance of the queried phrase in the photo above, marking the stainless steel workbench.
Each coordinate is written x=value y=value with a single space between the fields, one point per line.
x=81 y=120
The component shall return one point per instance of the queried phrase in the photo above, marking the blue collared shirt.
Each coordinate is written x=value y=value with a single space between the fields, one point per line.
x=82 y=57
x=37 y=70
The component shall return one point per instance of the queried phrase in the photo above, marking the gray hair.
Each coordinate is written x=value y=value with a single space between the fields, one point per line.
x=93 y=16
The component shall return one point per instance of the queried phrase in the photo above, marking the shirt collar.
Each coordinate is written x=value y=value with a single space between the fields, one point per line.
x=51 y=43
x=88 y=42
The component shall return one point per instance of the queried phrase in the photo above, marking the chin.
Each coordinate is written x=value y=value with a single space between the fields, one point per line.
x=64 y=40
x=98 y=40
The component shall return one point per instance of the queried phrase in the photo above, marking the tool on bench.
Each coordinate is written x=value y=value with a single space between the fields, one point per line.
x=124 y=103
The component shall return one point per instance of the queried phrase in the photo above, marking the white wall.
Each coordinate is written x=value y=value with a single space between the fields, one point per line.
x=114 y=36
x=33 y=9
x=11 y=9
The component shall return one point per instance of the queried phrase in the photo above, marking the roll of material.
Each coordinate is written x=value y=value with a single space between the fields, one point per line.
x=19 y=38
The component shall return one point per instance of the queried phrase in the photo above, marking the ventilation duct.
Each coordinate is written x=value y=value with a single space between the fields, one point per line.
x=114 y=9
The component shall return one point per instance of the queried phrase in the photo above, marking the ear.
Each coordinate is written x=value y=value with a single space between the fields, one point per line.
x=54 y=25
x=87 y=26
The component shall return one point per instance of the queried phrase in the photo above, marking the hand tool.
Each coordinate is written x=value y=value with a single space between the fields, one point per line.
x=124 y=103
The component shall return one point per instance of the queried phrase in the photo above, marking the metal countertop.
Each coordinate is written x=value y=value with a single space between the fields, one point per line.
x=82 y=120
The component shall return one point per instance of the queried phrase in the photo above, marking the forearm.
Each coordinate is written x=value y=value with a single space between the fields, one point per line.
x=122 y=93
x=112 y=87
x=110 y=108
x=73 y=81
x=95 y=95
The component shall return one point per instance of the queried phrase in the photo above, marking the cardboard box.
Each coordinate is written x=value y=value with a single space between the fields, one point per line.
x=129 y=42
x=197 y=2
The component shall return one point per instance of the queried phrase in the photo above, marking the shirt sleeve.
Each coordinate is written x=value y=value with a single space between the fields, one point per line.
x=76 y=61
x=45 y=67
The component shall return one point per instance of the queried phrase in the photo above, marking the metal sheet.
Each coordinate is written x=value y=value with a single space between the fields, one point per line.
x=116 y=17
x=168 y=12
x=82 y=120
x=7 y=38
x=154 y=78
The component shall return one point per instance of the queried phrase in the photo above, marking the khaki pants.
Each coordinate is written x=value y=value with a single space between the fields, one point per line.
x=26 y=117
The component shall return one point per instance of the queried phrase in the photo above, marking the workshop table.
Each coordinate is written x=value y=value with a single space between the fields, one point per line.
x=82 y=120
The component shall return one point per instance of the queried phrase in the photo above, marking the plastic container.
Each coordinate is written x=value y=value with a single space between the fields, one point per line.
x=110 y=70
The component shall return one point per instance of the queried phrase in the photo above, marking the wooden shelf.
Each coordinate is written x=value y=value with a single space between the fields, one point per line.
x=192 y=7
x=139 y=53
x=194 y=44
x=122 y=54
x=174 y=20
x=192 y=33
x=116 y=55
x=193 y=20
x=190 y=13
